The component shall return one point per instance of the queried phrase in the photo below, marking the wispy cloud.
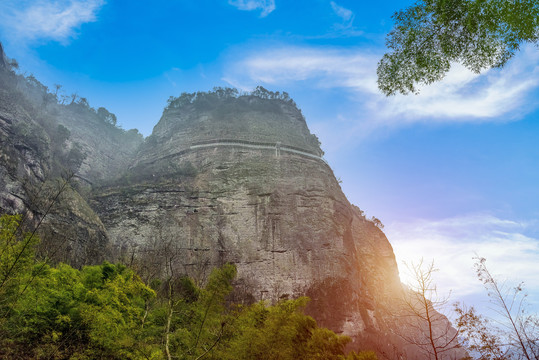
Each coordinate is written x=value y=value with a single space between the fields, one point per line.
x=346 y=15
x=465 y=96
x=51 y=20
x=267 y=6
x=325 y=68
x=461 y=96
x=454 y=242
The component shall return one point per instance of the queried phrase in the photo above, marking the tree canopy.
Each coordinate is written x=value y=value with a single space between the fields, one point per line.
x=431 y=35
x=220 y=93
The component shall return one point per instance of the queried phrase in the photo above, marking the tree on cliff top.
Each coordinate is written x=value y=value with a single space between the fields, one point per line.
x=226 y=93
x=430 y=35
x=106 y=116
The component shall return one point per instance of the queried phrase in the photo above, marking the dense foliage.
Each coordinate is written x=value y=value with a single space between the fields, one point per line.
x=107 y=312
x=220 y=94
x=432 y=34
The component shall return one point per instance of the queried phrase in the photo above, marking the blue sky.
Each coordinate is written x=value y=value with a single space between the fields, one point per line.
x=451 y=172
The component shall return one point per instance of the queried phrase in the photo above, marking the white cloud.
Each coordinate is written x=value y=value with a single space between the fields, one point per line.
x=454 y=242
x=461 y=96
x=327 y=68
x=267 y=6
x=55 y=20
x=345 y=14
x=465 y=96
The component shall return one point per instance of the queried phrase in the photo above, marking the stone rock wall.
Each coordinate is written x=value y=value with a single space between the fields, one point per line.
x=280 y=216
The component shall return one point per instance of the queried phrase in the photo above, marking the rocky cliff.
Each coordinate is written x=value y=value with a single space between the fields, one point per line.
x=53 y=151
x=241 y=180
x=223 y=178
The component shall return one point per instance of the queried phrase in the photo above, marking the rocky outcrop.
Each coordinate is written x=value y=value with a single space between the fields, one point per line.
x=108 y=150
x=250 y=187
x=222 y=179
x=4 y=63
x=42 y=142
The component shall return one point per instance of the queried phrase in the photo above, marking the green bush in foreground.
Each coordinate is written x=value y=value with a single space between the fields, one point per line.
x=107 y=312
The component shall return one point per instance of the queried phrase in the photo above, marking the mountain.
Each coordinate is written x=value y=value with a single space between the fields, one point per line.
x=241 y=180
x=43 y=140
x=224 y=177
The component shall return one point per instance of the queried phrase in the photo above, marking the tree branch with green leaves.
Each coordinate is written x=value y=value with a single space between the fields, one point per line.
x=432 y=35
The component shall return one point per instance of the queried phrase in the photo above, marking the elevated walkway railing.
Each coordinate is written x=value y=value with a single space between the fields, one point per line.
x=277 y=147
x=256 y=145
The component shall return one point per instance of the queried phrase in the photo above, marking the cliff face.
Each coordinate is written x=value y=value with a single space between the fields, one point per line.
x=260 y=197
x=42 y=142
x=221 y=179
x=4 y=64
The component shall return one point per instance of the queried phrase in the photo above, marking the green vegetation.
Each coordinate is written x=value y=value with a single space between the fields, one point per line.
x=106 y=116
x=431 y=35
x=107 y=312
x=212 y=98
